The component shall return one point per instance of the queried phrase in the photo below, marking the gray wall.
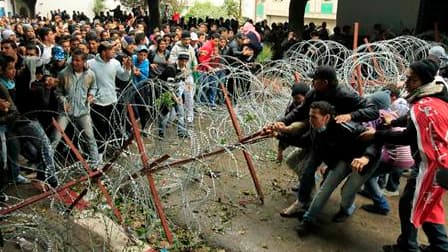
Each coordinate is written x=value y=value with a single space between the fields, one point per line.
x=396 y=14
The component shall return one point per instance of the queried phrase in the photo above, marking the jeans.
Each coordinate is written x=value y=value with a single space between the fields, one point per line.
x=373 y=188
x=85 y=124
x=295 y=160
x=221 y=78
x=30 y=133
x=10 y=152
x=4 y=154
x=307 y=180
x=208 y=88
x=189 y=101
x=335 y=176
x=407 y=240
x=164 y=118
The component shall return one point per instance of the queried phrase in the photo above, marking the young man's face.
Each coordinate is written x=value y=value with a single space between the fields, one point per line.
x=412 y=81
x=182 y=62
x=31 y=52
x=299 y=99
x=9 y=72
x=222 y=43
x=141 y=56
x=66 y=46
x=317 y=120
x=78 y=63
x=8 y=50
x=320 y=85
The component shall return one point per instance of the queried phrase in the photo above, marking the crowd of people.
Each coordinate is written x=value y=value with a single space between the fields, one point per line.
x=358 y=139
x=72 y=69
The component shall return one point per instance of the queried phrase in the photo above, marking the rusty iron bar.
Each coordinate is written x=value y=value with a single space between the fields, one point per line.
x=76 y=201
x=44 y=195
x=86 y=166
x=358 y=67
x=239 y=132
x=375 y=61
x=93 y=175
x=206 y=155
x=152 y=186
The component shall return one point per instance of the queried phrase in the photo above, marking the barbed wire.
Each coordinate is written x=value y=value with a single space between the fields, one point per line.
x=374 y=64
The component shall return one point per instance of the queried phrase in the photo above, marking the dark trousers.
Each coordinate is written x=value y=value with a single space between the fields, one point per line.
x=407 y=240
x=307 y=180
x=101 y=118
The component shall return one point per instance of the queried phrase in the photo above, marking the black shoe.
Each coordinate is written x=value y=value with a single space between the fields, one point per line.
x=305 y=228
x=372 y=208
x=393 y=248
x=340 y=216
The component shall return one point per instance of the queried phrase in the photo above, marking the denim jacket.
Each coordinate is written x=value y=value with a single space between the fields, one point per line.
x=74 y=90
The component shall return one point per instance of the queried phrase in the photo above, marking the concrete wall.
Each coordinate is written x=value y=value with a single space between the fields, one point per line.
x=397 y=14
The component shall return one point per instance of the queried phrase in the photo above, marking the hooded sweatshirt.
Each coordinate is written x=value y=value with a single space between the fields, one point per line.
x=105 y=73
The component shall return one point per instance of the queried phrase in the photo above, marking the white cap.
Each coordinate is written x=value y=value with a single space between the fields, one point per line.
x=439 y=52
x=194 y=36
x=6 y=34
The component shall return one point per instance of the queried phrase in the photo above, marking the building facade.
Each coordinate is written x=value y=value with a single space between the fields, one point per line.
x=316 y=11
x=43 y=7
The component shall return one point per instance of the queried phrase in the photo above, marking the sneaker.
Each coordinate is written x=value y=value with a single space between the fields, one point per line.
x=391 y=194
x=372 y=208
x=21 y=180
x=340 y=216
x=305 y=228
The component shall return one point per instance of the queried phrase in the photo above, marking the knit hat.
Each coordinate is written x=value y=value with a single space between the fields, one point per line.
x=186 y=35
x=381 y=99
x=425 y=69
x=183 y=56
x=299 y=89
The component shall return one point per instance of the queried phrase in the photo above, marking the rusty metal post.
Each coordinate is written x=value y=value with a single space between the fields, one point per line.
x=358 y=67
x=375 y=61
x=86 y=166
x=152 y=186
x=44 y=195
x=239 y=133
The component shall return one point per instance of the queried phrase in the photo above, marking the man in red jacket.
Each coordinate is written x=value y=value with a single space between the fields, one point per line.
x=421 y=202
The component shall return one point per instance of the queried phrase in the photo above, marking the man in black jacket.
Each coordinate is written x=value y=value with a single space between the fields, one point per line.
x=349 y=106
x=339 y=146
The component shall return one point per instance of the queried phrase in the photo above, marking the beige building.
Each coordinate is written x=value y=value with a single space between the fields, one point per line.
x=316 y=11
